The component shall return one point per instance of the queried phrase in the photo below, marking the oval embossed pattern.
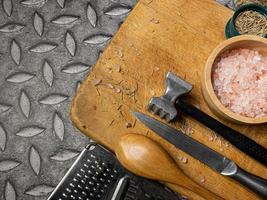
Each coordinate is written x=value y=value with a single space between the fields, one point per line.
x=3 y=138
x=47 y=49
x=4 y=107
x=75 y=68
x=64 y=154
x=61 y=3
x=53 y=99
x=8 y=7
x=33 y=3
x=91 y=15
x=48 y=73
x=118 y=10
x=6 y=165
x=39 y=190
x=15 y=52
x=65 y=19
x=97 y=39
x=35 y=160
x=38 y=23
x=30 y=131
x=70 y=43
x=43 y=47
x=58 y=126
x=19 y=77
x=25 y=104
x=11 y=27
x=10 y=193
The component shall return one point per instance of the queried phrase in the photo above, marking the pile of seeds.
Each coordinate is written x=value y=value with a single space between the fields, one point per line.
x=251 y=22
x=239 y=3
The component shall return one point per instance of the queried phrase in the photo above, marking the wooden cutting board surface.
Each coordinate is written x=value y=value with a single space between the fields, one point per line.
x=161 y=36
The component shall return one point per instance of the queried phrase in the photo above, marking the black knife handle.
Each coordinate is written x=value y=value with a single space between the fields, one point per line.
x=239 y=140
x=255 y=183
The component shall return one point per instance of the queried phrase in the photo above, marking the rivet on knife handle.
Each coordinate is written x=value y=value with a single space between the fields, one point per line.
x=166 y=106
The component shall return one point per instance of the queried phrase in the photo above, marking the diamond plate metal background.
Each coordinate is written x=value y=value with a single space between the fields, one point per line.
x=46 y=49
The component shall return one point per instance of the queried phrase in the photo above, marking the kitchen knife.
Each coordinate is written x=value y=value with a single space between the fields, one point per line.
x=204 y=154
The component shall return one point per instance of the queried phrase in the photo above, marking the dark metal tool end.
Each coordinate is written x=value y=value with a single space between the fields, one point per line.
x=164 y=106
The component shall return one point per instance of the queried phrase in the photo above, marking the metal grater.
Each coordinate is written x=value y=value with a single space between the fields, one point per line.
x=97 y=175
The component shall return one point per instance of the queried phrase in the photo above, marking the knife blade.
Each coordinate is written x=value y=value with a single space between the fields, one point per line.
x=204 y=154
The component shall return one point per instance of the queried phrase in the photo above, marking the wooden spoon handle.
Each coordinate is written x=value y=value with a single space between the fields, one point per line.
x=144 y=157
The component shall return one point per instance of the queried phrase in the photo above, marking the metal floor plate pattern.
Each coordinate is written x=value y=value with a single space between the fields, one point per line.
x=46 y=49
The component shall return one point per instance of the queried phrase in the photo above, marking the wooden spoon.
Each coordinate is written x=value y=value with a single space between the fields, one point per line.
x=146 y=158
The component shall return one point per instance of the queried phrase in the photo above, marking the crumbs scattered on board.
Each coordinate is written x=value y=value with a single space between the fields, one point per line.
x=119 y=51
x=128 y=125
x=154 y=70
x=182 y=159
x=203 y=180
x=186 y=127
x=154 y=21
x=96 y=82
x=221 y=142
x=117 y=68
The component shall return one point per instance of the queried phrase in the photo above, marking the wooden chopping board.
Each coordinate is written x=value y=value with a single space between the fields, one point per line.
x=161 y=36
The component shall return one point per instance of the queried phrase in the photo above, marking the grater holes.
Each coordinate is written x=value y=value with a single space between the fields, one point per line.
x=92 y=156
x=82 y=170
x=84 y=193
x=71 y=184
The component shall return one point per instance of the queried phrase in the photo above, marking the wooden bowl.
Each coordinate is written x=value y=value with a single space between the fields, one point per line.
x=243 y=41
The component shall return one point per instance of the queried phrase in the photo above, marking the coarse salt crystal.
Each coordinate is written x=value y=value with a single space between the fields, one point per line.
x=240 y=82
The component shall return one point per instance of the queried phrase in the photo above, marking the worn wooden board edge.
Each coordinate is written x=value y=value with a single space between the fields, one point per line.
x=76 y=121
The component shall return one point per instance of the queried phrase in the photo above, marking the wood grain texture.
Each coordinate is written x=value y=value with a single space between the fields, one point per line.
x=146 y=158
x=161 y=36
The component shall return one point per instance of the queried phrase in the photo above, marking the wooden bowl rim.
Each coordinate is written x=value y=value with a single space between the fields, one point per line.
x=208 y=81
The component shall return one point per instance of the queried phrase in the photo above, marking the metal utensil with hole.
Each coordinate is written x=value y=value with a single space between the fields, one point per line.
x=168 y=105
x=96 y=174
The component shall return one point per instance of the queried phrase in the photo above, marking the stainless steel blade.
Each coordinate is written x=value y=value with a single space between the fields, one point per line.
x=197 y=150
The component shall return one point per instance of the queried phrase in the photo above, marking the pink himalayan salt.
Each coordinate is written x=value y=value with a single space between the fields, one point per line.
x=240 y=82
